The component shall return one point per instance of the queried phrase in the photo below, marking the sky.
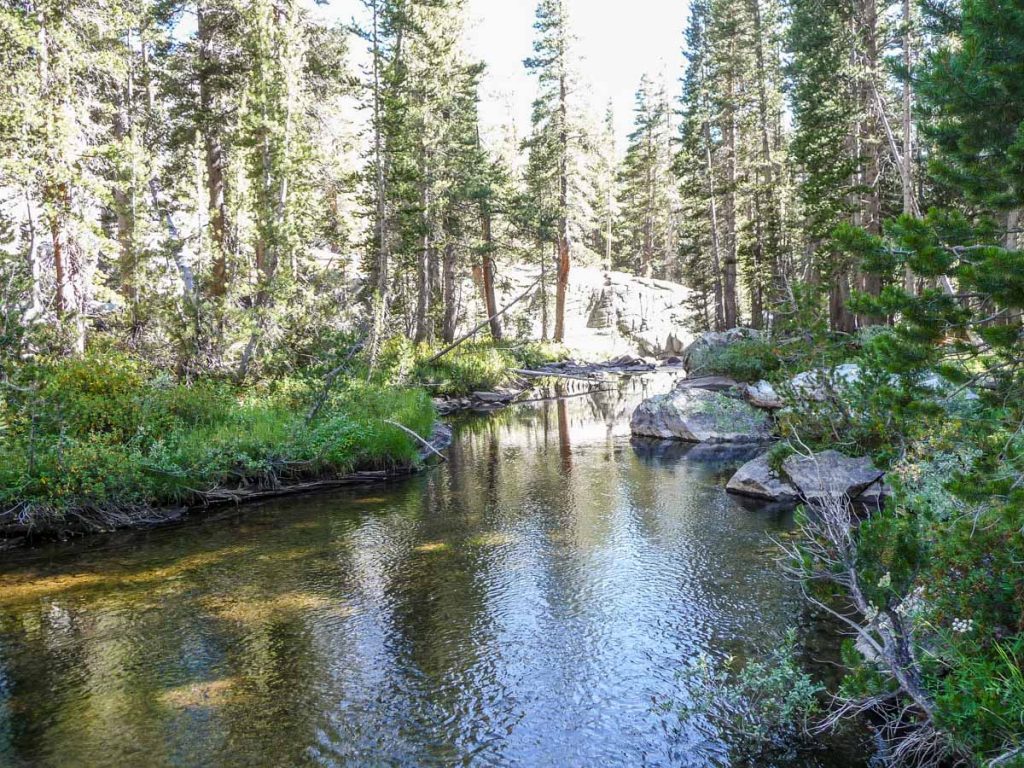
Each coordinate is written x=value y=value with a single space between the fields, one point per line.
x=619 y=41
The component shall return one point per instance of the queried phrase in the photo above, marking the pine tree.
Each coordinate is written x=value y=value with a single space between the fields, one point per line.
x=700 y=240
x=646 y=194
x=552 y=170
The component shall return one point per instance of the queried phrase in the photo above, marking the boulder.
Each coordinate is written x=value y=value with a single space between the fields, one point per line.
x=933 y=382
x=700 y=416
x=830 y=473
x=494 y=397
x=874 y=496
x=758 y=480
x=762 y=395
x=697 y=355
x=819 y=383
x=711 y=383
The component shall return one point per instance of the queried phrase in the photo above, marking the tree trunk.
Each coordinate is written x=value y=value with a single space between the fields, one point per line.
x=449 y=292
x=871 y=146
x=562 y=278
x=716 y=264
x=487 y=270
x=730 y=298
x=124 y=206
x=379 y=301
x=215 y=156
x=424 y=327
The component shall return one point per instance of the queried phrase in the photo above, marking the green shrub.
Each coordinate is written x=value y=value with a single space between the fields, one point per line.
x=747 y=360
x=759 y=702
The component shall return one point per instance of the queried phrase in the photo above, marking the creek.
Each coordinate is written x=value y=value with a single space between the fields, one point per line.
x=531 y=602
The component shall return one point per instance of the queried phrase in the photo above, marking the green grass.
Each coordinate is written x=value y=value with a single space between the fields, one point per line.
x=98 y=438
x=470 y=367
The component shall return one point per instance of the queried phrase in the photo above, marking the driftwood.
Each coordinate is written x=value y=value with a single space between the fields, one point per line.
x=484 y=324
x=422 y=441
x=553 y=375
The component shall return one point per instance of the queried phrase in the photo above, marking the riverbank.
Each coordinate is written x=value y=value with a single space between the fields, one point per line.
x=106 y=442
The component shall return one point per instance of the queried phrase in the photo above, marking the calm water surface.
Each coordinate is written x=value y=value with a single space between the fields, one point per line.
x=530 y=603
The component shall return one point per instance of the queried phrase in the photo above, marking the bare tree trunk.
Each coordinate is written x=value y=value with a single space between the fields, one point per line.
x=449 y=292
x=487 y=270
x=564 y=249
x=716 y=241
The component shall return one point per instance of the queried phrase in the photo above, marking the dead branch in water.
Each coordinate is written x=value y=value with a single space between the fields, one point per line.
x=421 y=440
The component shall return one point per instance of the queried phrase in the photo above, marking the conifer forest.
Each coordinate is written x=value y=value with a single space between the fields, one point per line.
x=359 y=409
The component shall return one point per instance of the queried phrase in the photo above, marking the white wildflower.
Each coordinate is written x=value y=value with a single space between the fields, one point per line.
x=886 y=581
x=963 y=626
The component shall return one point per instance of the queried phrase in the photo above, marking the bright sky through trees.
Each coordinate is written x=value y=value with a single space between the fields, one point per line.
x=618 y=42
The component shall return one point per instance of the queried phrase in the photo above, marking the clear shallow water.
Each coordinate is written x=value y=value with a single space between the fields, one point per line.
x=528 y=604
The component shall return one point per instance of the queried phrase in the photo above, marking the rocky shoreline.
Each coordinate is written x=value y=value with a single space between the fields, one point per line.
x=714 y=410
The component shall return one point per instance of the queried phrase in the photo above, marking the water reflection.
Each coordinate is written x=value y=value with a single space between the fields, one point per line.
x=529 y=604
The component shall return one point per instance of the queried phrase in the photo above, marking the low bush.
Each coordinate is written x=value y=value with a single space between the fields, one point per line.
x=748 y=360
x=763 y=702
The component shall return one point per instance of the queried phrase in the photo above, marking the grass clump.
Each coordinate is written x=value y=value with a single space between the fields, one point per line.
x=98 y=441
x=470 y=367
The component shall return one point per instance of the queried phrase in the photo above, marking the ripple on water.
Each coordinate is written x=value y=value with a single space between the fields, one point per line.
x=530 y=603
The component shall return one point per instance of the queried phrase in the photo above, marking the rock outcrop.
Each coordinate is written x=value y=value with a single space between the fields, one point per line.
x=761 y=394
x=819 y=384
x=700 y=416
x=758 y=480
x=607 y=313
x=710 y=383
x=814 y=479
x=830 y=473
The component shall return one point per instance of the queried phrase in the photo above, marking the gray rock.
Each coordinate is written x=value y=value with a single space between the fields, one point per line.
x=820 y=383
x=829 y=474
x=940 y=386
x=758 y=480
x=711 y=383
x=762 y=395
x=697 y=355
x=494 y=397
x=874 y=496
x=700 y=416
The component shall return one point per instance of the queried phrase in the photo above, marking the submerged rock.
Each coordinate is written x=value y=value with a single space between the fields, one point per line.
x=830 y=473
x=758 y=480
x=700 y=416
